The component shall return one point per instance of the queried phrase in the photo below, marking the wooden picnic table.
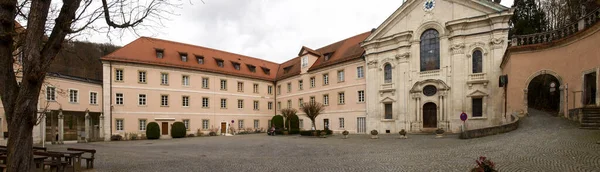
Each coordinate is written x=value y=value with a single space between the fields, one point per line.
x=38 y=161
x=72 y=157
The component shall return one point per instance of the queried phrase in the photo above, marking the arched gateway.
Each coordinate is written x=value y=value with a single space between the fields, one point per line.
x=544 y=92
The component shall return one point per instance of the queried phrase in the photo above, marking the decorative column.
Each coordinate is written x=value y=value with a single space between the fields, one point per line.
x=53 y=129
x=102 y=126
x=419 y=116
x=440 y=118
x=87 y=125
x=61 y=127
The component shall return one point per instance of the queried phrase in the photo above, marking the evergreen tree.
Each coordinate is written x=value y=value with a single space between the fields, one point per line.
x=527 y=18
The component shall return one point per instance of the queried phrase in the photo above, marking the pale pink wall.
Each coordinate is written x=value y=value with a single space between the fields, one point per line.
x=568 y=60
x=62 y=87
x=130 y=111
x=350 y=110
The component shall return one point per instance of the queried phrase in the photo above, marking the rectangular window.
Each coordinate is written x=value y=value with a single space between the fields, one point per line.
x=142 y=99
x=186 y=122
x=185 y=101
x=477 y=107
x=185 y=80
x=270 y=89
x=326 y=99
x=164 y=100
x=256 y=123
x=270 y=105
x=183 y=57
x=240 y=124
x=142 y=125
x=300 y=85
x=220 y=63
x=360 y=73
x=341 y=98
x=361 y=96
x=204 y=102
x=160 y=53
x=236 y=66
x=51 y=93
x=304 y=61
x=240 y=87
x=119 y=125
x=204 y=82
x=73 y=96
x=289 y=104
x=255 y=88
x=200 y=59
x=256 y=107
x=205 y=124
x=164 y=79
x=93 y=98
x=340 y=76
x=223 y=84
x=289 y=87
x=312 y=99
x=325 y=79
x=279 y=90
x=142 y=77
x=300 y=102
x=388 y=111
x=119 y=75
x=341 y=122
x=312 y=82
x=240 y=104
x=301 y=123
x=223 y=103
x=278 y=105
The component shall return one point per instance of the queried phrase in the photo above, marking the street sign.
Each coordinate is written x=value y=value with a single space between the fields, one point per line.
x=463 y=116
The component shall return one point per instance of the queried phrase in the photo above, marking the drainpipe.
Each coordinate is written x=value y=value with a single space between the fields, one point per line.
x=110 y=100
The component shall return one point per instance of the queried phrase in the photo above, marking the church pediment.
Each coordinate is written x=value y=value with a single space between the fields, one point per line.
x=477 y=93
x=387 y=100
x=413 y=14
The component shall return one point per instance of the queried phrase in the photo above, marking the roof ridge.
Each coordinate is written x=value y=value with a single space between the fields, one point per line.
x=343 y=40
x=198 y=46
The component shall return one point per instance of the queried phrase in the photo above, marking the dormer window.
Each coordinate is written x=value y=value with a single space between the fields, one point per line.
x=266 y=70
x=183 y=57
x=251 y=68
x=220 y=63
x=200 y=59
x=328 y=56
x=286 y=69
x=236 y=65
x=304 y=61
x=160 y=53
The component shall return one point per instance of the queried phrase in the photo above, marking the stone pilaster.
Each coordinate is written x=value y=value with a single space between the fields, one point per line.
x=102 y=126
x=87 y=125
x=61 y=127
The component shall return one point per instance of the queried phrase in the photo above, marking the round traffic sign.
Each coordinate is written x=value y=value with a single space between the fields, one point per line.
x=232 y=121
x=463 y=116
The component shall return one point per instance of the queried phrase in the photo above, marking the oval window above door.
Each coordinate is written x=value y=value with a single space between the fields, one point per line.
x=429 y=90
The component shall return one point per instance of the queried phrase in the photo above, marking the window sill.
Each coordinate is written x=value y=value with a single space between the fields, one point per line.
x=76 y=103
x=142 y=105
x=205 y=107
x=223 y=89
x=388 y=120
x=119 y=81
x=340 y=81
x=93 y=104
x=50 y=100
x=164 y=84
x=341 y=103
x=187 y=107
x=223 y=108
x=163 y=106
x=478 y=118
x=360 y=102
x=142 y=83
x=205 y=88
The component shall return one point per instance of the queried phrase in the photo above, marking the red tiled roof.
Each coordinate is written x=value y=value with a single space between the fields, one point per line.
x=143 y=51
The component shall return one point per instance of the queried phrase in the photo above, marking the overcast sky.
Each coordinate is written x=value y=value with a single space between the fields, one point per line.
x=273 y=30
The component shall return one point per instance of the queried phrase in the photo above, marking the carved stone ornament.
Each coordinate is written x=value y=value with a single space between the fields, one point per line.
x=477 y=44
x=372 y=64
x=403 y=55
x=457 y=48
x=496 y=42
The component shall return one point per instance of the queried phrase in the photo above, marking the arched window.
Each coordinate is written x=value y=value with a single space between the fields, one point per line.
x=430 y=50
x=477 y=61
x=387 y=74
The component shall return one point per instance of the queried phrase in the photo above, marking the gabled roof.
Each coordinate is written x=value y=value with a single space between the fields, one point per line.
x=309 y=51
x=143 y=51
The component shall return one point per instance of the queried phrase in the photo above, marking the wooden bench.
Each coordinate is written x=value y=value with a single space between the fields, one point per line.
x=43 y=149
x=89 y=161
x=55 y=160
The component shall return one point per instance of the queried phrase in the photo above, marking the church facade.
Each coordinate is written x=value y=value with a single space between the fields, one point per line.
x=433 y=60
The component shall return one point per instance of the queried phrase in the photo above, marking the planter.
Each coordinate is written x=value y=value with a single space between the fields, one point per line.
x=345 y=133
x=439 y=135
x=345 y=136
x=323 y=134
x=374 y=137
x=374 y=134
x=402 y=134
x=286 y=132
x=314 y=133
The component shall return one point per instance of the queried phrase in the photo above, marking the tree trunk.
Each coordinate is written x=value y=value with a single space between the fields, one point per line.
x=20 y=145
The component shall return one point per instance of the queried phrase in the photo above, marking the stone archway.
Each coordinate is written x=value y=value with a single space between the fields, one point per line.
x=544 y=91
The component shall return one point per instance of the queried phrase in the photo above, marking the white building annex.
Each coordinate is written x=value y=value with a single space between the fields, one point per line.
x=431 y=60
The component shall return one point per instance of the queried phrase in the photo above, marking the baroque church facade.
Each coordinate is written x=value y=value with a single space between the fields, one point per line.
x=433 y=60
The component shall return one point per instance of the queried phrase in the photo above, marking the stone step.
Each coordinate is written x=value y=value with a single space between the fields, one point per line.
x=590 y=128
x=590 y=117
x=590 y=121
x=590 y=125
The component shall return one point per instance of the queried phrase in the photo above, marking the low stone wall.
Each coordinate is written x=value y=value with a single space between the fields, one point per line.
x=482 y=132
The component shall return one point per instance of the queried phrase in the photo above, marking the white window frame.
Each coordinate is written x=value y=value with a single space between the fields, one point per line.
x=119 y=75
x=256 y=123
x=120 y=126
x=205 y=104
x=240 y=86
x=205 y=124
x=164 y=78
x=301 y=123
x=289 y=87
x=255 y=88
x=256 y=105
x=73 y=99
x=270 y=89
x=51 y=97
x=360 y=73
x=185 y=101
x=142 y=127
x=223 y=103
x=341 y=98
x=185 y=80
x=304 y=61
x=142 y=77
x=240 y=104
x=341 y=77
x=361 y=97
x=186 y=123
x=240 y=124
x=342 y=123
x=326 y=99
x=205 y=83
x=312 y=82
x=119 y=100
x=289 y=104
x=223 y=84
x=144 y=101
x=326 y=79
x=164 y=100
x=300 y=84
x=94 y=98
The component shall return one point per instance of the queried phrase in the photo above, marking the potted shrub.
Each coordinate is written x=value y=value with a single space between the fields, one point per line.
x=484 y=165
x=402 y=134
x=439 y=133
x=286 y=132
x=323 y=134
x=315 y=133
x=345 y=133
x=374 y=134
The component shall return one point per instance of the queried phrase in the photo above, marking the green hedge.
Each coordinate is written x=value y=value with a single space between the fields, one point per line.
x=152 y=131
x=178 y=130
x=277 y=120
x=294 y=122
x=309 y=132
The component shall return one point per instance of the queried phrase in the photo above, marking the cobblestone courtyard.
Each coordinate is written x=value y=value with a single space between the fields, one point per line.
x=542 y=143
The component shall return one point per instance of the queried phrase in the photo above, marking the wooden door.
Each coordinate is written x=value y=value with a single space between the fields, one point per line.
x=223 y=127
x=325 y=123
x=165 y=128
x=589 y=89
x=429 y=115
